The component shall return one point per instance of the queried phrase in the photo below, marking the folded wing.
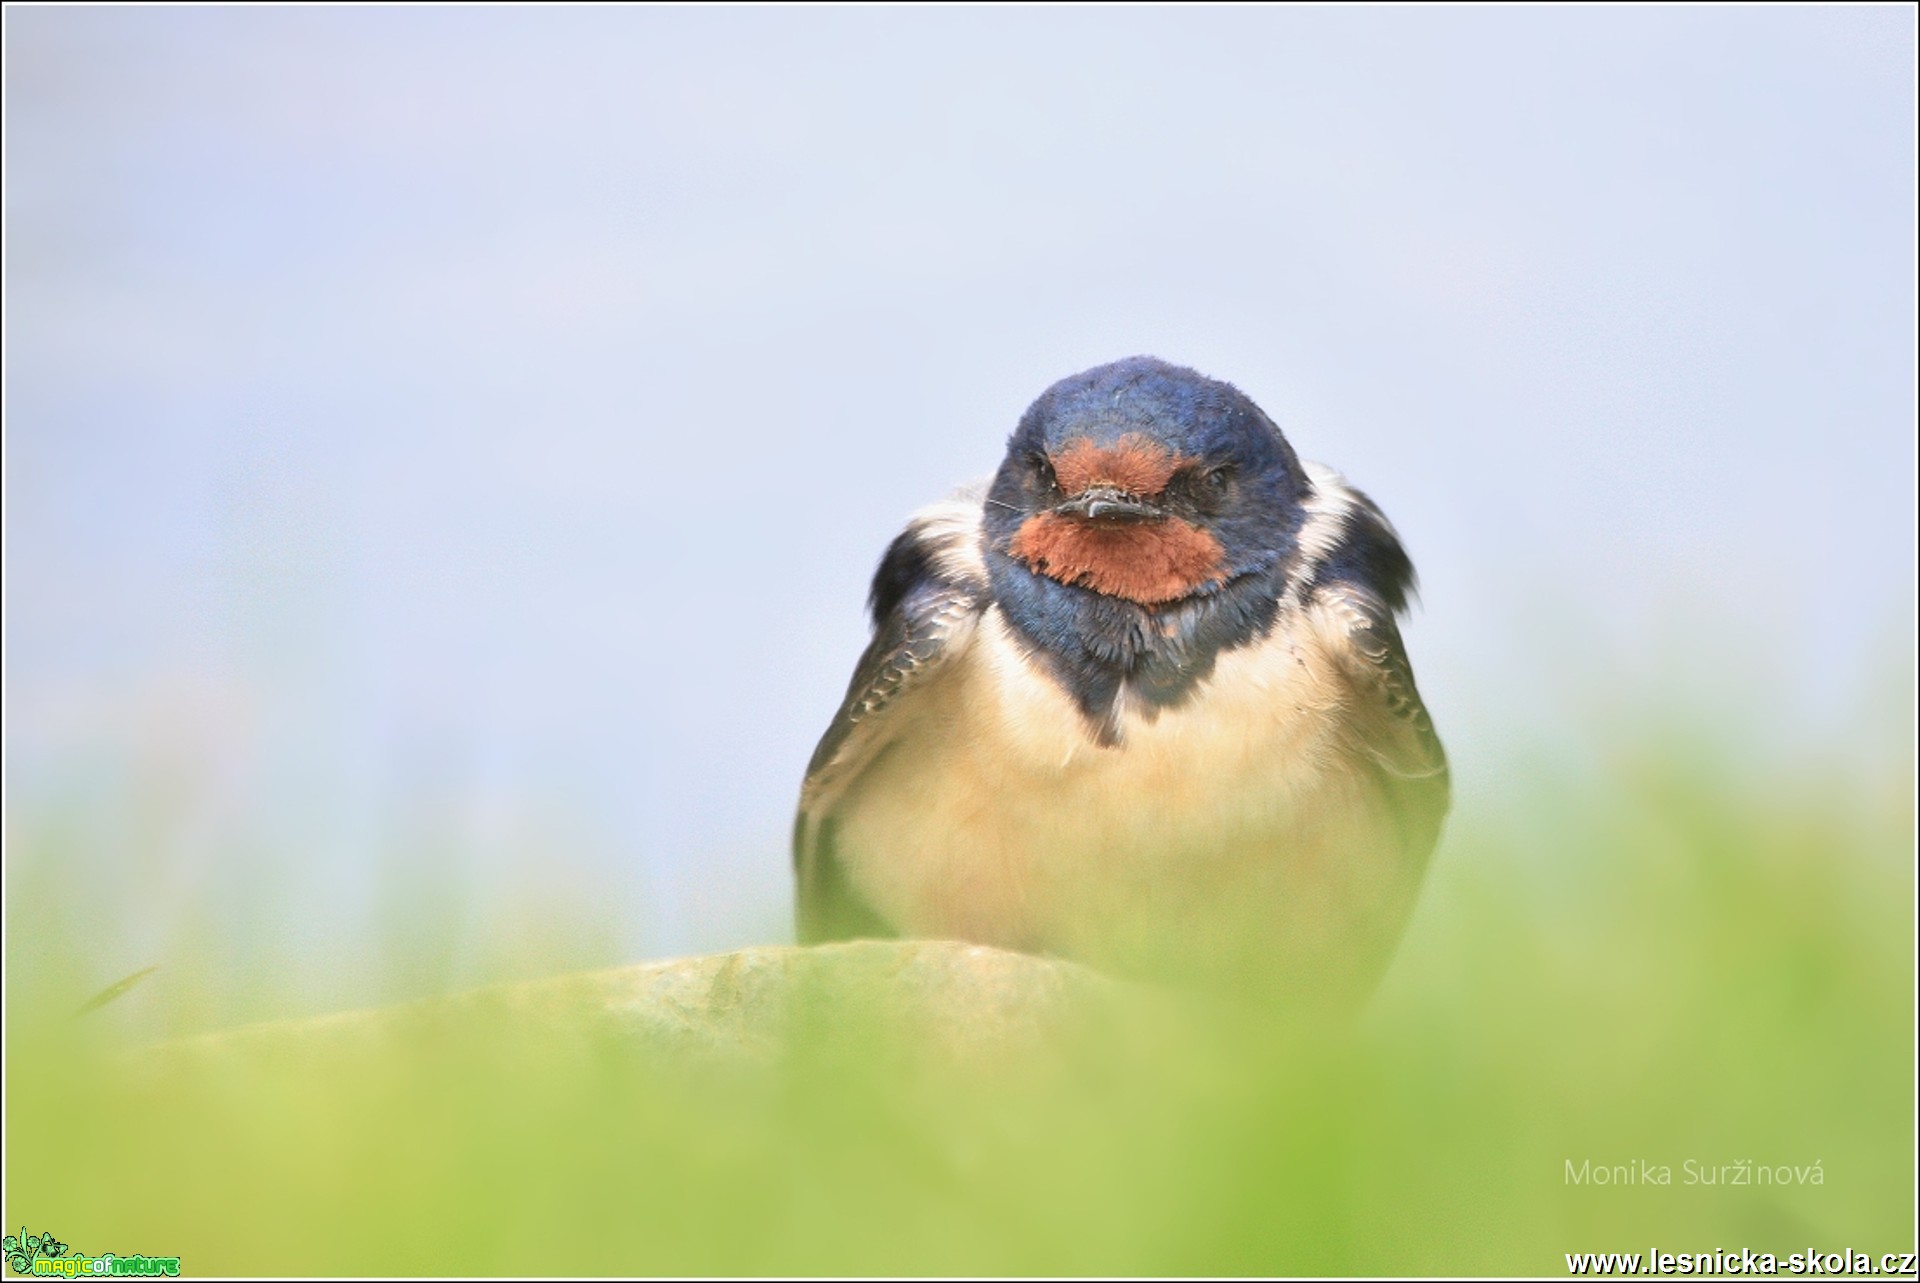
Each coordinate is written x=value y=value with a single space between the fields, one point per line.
x=927 y=596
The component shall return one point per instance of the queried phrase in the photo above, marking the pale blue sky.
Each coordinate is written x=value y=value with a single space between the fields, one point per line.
x=451 y=445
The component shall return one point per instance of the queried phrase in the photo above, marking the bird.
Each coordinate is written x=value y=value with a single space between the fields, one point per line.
x=1139 y=701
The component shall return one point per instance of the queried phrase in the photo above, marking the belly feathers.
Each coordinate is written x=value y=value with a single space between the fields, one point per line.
x=1234 y=824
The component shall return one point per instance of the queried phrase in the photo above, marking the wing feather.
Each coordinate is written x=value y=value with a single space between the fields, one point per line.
x=928 y=593
x=1387 y=723
x=1354 y=574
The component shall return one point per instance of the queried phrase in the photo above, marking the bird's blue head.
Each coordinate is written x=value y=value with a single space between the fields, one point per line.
x=1145 y=482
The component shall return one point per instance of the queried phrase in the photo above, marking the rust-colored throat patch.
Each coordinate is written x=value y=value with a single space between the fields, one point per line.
x=1149 y=562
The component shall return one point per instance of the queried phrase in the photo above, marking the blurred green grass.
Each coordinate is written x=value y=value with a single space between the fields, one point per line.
x=1666 y=955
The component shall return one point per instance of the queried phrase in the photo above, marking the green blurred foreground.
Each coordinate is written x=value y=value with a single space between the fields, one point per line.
x=1658 y=966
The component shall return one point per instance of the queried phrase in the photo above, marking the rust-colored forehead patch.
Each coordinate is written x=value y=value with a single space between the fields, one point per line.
x=1134 y=463
x=1151 y=563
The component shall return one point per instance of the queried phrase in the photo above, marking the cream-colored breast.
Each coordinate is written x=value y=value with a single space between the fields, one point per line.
x=1234 y=822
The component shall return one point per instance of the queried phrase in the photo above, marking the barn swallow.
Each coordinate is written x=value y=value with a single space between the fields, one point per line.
x=1139 y=701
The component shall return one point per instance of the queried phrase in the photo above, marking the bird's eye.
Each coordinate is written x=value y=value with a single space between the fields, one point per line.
x=1042 y=469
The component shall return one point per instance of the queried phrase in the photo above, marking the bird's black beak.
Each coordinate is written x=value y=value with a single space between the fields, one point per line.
x=1110 y=503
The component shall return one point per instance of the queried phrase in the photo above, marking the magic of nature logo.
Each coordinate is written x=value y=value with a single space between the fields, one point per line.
x=44 y=1255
